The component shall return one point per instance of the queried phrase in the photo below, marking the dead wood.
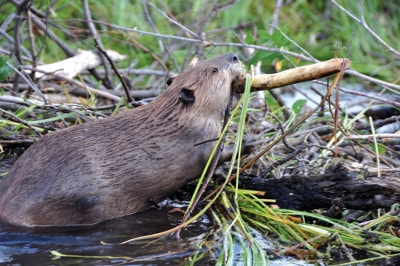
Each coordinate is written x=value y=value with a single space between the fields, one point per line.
x=321 y=191
x=70 y=67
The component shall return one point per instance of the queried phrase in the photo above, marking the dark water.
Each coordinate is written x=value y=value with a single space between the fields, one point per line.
x=96 y=244
x=23 y=247
x=33 y=247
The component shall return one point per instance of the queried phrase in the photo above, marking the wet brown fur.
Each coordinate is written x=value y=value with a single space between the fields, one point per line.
x=121 y=165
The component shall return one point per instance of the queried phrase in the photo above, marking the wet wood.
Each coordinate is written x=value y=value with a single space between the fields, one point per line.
x=322 y=191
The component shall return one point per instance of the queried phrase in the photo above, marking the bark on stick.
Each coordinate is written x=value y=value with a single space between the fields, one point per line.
x=291 y=76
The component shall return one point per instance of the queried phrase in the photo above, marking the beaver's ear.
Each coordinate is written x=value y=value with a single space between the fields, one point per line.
x=187 y=96
x=169 y=80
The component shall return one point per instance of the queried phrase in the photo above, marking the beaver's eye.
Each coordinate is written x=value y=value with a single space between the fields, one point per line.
x=169 y=80
x=215 y=70
x=187 y=96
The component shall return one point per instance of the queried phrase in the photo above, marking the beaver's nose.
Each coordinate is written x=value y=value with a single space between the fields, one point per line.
x=232 y=58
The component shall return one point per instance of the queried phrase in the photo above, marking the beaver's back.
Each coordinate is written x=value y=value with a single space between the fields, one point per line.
x=77 y=171
x=119 y=165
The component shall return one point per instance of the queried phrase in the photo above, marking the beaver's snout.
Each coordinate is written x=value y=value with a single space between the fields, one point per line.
x=236 y=65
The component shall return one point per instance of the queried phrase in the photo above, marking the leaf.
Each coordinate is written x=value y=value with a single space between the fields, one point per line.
x=264 y=36
x=4 y=68
x=381 y=148
x=265 y=57
x=278 y=39
x=272 y=103
x=298 y=106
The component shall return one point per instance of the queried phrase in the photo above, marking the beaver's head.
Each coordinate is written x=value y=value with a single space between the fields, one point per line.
x=204 y=89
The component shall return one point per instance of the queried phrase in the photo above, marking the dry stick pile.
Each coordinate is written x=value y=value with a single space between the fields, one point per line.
x=336 y=187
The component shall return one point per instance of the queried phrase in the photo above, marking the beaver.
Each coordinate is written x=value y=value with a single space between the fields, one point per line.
x=122 y=164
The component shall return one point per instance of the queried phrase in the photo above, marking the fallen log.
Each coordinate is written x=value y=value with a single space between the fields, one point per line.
x=321 y=191
x=291 y=76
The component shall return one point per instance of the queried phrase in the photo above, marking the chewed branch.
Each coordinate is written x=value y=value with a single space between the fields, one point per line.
x=294 y=75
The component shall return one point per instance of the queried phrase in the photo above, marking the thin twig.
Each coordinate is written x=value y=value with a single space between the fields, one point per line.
x=363 y=23
x=104 y=94
x=304 y=51
x=32 y=44
x=28 y=80
x=377 y=136
x=275 y=16
x=185 y=29
x=107 y=80
x=373 y=80
x=366 y=95
x=3 y=31
x=60 y=43
x=120 y=77
x=19 y=120
x=163 y=45
x=17 y=38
